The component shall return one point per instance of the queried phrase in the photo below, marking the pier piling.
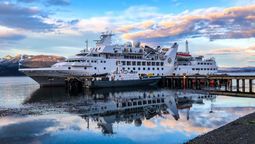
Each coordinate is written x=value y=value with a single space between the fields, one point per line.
x=237 y=85
x=250 y=85
x=243 y=83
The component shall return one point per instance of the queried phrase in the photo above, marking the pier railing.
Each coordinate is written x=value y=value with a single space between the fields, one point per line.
x=227 y=83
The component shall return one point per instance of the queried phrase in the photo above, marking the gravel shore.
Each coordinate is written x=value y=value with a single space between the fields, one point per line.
x=240 y=131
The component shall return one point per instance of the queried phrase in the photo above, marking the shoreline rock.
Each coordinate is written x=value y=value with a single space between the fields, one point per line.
x=239 y=131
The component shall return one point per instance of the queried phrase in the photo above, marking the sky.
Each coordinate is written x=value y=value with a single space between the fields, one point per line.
x=223 y=29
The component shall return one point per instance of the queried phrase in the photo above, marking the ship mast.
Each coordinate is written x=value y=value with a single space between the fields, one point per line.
x=87 y=46
x=187 y=46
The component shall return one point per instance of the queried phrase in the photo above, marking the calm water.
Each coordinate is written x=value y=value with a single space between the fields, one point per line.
x=127 y=116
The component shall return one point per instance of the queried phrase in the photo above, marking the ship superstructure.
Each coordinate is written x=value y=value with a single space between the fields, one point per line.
x=105 y=58
x=186 y=64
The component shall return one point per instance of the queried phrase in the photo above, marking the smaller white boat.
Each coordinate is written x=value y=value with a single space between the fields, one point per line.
x=123 y=78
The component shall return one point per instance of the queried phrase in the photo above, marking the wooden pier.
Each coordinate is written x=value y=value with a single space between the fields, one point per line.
x=243 y=84
x=217 y=84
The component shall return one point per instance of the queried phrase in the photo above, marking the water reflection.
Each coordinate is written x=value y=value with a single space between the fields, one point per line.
x=126 y=105
x=131 y=115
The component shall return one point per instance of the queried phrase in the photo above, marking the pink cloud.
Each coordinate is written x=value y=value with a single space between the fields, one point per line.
x=234 y=22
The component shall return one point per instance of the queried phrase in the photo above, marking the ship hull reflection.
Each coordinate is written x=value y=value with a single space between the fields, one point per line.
x=108 y=106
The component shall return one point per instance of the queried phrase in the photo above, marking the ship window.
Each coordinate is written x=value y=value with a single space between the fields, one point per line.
x=129 y=104
x=128 y=68
x=85 y=67
x=133 y=63
x=198 y=63
x=197 y=69
x=123 y=62
x=148 y=68
x=162 y=68
x=153 y=68
x=143 y=68
x=149 y=101
x=123 y=68
x=139 y=103
x=138 y=63
x=101 y=61
x=133 y=68
x=157 y=68
x=143 y=63
x=157 y=63
x=193 y=68
x=162 y=63
x=179 y=68
x=158 y=100
x=153 y=63
x=123 y=104
x=128 y=63
x=95 y=68
x=148 y=63
x=162 y=100
x=87 y=60
x=202 y=63
x=139 y=68
x=104 y=68
x=104 y=61
x=69 y=67
x=207 y=68
x=144 y=102
x=134 y=103
x=211 y=69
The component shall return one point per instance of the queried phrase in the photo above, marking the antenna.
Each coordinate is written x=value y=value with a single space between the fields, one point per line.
x=87 y=45
x=187 y=46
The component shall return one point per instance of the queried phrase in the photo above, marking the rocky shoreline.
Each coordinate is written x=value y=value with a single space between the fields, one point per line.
x=239 y=131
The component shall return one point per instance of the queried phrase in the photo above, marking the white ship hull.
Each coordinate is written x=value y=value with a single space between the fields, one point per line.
x=46 y=81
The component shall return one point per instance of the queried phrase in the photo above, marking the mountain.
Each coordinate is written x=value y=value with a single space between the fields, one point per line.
x=236 y=69
x=9 y=64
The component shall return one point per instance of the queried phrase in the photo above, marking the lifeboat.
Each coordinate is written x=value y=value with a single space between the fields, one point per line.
x=181 y=55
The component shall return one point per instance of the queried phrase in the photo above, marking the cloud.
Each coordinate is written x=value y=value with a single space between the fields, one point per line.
x=57 y=2
x=32 y=19
x=27 y=1
x=251 y=61
x=250 y=51
x=119 y=21
x=7 y=34
x=213 y=23
x=244 y=2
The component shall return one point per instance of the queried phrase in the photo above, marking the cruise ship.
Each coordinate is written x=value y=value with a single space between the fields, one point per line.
x=186 y=64
x=105 y=58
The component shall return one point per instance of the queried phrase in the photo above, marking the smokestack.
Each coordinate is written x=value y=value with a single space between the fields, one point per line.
x=187 y=47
